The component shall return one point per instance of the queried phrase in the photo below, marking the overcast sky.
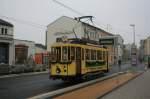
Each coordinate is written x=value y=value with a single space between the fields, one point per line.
x=118 y=13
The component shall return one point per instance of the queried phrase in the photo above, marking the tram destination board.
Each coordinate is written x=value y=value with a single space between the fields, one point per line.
x=106 y=41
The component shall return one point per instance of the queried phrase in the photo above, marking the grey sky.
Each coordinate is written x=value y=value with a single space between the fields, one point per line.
x=118 y=13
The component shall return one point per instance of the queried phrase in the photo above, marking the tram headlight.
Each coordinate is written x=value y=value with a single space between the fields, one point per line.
x=58 y=70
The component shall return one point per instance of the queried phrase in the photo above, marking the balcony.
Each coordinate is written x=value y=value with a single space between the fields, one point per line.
x=6 y=36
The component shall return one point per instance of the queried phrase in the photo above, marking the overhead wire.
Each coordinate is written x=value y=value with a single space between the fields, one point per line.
x=69 y=8
x=33 y=24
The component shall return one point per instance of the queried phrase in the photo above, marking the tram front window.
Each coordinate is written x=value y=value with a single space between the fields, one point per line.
x=56 y=54
x=65 y=53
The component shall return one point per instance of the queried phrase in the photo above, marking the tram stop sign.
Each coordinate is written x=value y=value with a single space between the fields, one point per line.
x=106 y=41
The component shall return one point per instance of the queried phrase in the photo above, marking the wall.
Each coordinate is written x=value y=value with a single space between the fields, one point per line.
x=30 y=44
x=7 y=37
x=9 y=30
x=62 y=25
x=146 y=48
x=65 y=24
x=39 y=50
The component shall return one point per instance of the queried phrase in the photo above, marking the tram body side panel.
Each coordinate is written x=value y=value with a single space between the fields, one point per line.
x=63 y=69
x=92 y=68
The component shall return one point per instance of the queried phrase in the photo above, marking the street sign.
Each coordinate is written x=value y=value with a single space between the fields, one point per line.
x=106 y=41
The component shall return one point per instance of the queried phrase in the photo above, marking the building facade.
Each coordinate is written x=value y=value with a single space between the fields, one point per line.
x=115 y=46
x=39 y=48
x=126 y=52
x=66 y=26
x=6 y=43
x=72 y=28
x=145 y=49
x=24 y=50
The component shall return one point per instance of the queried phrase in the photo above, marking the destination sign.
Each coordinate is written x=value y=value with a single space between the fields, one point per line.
x=106 y=41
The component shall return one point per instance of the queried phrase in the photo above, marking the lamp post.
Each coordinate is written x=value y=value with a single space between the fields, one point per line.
x=133 y=25
x=133 y=48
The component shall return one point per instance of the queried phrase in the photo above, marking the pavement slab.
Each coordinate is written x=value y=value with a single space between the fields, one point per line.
x=139 y=88
x=98 y=89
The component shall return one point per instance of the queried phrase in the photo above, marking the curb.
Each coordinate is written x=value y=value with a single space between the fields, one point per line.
x=23 y=74
x=117 y=87
x=72 y=88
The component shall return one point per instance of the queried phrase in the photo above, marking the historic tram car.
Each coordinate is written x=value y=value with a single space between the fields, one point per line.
x=77 y=59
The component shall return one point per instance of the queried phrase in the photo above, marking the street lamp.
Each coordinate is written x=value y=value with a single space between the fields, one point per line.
x=133 y=25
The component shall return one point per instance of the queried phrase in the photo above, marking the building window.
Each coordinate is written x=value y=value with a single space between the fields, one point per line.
x=6 y=31
x=2 y=31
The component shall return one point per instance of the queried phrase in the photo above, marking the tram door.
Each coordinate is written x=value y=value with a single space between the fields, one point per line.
x=78 y=61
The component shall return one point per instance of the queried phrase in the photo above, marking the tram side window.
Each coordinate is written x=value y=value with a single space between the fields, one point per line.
x=92 y=54
x=82 y=54
x=58 y=53
x=53 y=54
x=72 y=54
x=104 y=55
x=87 y=54
x=69 y=53
x=99 y=55
x=78 y=53
x=64 y=54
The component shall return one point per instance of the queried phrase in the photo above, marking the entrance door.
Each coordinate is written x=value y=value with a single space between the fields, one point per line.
x=4 y=53
x=78 y=61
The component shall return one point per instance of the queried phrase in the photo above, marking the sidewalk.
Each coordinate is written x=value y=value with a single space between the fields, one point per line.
x=138 y=88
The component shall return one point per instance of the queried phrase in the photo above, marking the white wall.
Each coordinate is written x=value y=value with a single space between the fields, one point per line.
x=9 y=30
x=63 y=24
x=94 y=34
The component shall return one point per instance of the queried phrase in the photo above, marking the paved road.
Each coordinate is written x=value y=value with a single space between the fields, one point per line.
x=27 y=86
x=138 y=88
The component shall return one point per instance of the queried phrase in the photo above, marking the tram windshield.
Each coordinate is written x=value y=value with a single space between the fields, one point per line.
x=60 y=54
x=64 y=53
x=56 y=53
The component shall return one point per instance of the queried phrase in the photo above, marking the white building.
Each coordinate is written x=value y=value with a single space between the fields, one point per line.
x=6 y=43
x=64 y=26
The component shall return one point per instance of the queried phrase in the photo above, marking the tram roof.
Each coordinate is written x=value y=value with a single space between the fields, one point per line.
x=58 y=44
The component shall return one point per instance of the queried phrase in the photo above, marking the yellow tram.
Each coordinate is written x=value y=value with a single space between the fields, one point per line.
x=74 y=60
